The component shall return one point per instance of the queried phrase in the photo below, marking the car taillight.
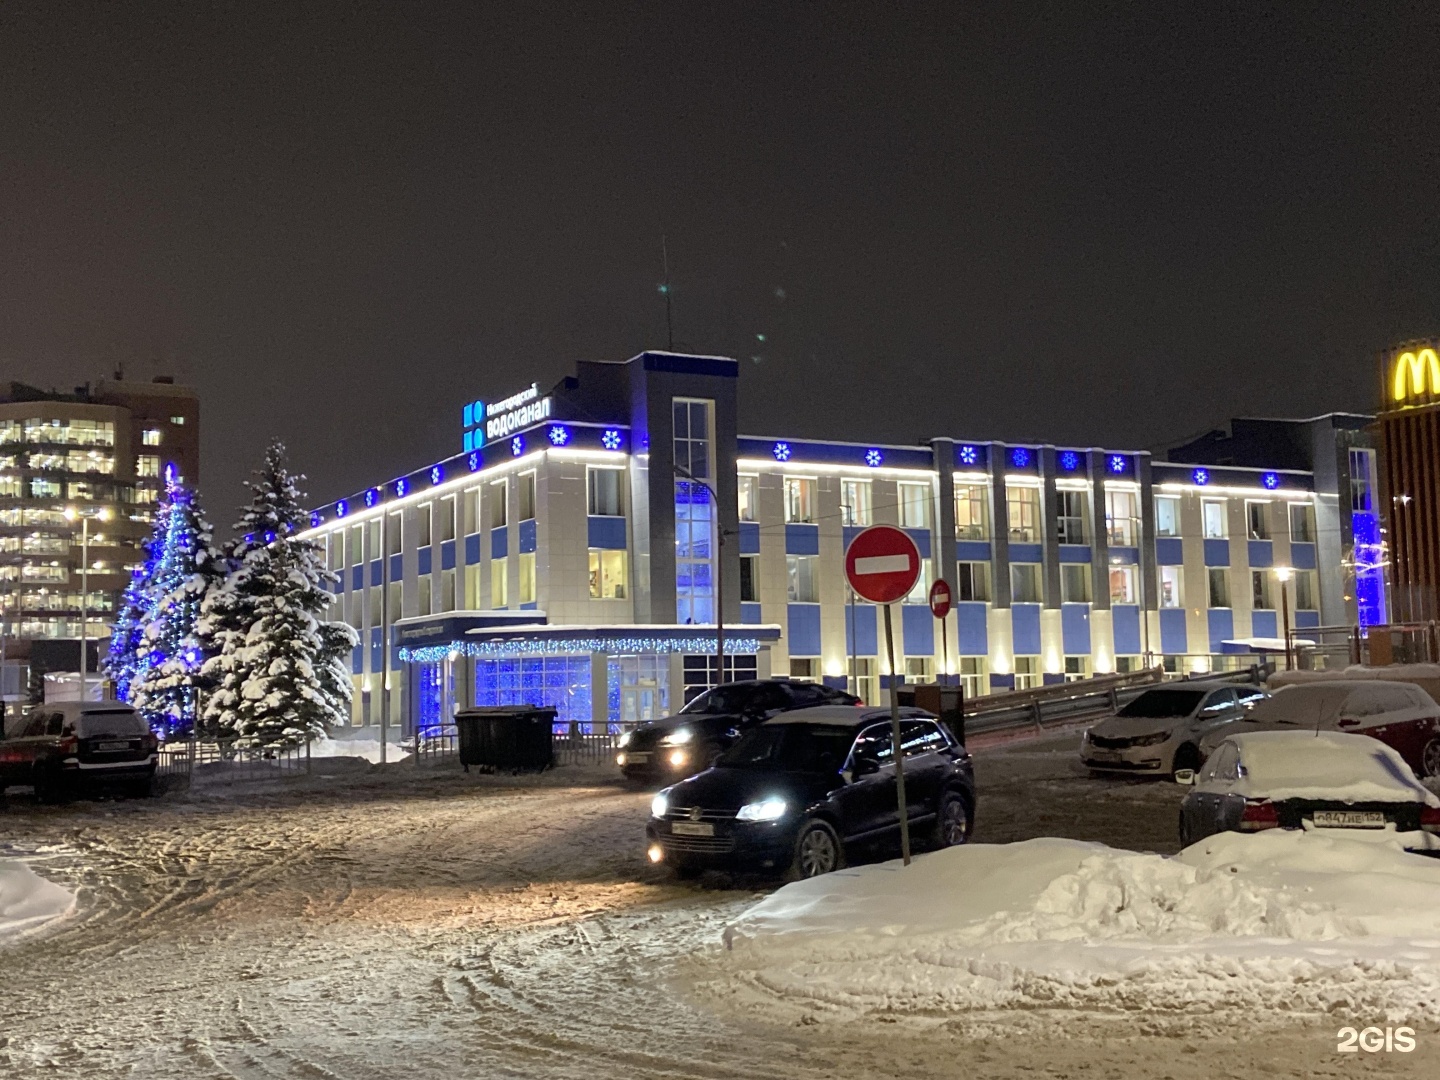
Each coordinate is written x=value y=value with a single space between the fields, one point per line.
x=68 y=745
x=1259 y=815
x=1430 y=818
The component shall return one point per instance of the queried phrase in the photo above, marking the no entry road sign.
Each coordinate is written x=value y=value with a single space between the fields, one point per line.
x=882 y=564
x=939 y=599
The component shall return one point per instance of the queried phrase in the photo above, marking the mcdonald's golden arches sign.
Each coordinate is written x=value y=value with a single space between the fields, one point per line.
x=1412 y=376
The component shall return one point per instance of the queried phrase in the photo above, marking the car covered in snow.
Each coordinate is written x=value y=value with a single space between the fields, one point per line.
x=1401 y=715
x=1323 y=780
x=681 y=745
x=810 y=789
x=74 y=747
x=1160 y=731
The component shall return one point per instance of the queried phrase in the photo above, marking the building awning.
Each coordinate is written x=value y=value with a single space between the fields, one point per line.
x=1260 y=645
x=541 y=639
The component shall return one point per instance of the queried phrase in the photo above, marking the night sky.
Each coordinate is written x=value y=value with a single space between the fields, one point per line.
x=340 y=221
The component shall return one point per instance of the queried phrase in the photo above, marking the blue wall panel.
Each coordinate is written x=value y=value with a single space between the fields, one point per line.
x=1221 y=621
x=377 y=650
x=422 y=559
x=802 y=539
x=447 y=555
x=1304 y=620
x=1262 y=553
x=860 y=634
x=527 y=536
x=1025 y=553
x=1302 y=556
x=1263 y=624
x=1173 y=635
x=607 y=532
x=750 y=614
x=749 y=538
x=1025 y=628
x=973 y=628
x=1217 y=552
x=919 y=632
x=1125 y=618
x=1169 y=551
x=357 y=577
x=397 y=567
x=1125 y=556
x=499 y=542
x=972 y=550
x=1075 y=629
x=802 y=633
x=848 y=534
x=922 y=540
x=472 y=549
x=1074 y=553
x=377 y=573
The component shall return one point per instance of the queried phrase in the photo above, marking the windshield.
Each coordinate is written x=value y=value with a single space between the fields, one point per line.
x=1167 y=702
x=791 y=748
x=1306 y=705
x=722 y=699
x=121 y=722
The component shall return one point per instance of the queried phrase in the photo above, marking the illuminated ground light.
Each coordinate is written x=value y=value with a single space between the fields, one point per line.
x=1271 y=480
x=969 y=455
x=1201 y=477
x=1117 y=463
x=1069 y=461
x=559 y=434
x=1020 y=457
x=517 y=446
x=610 y=439
x=874 y=458
x=781 y=450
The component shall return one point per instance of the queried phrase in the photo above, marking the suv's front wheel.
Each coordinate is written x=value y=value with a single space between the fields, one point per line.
x=952 y=821
x=817 y=851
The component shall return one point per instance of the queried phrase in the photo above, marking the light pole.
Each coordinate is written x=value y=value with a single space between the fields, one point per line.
x=101 y=513
x=686 y=474
x=1283 y=574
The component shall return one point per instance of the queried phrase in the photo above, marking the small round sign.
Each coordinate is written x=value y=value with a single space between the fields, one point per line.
x=882 y=564
x=940 y=599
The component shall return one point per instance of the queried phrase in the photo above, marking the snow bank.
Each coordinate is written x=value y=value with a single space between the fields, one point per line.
x=369 y=749
x=1288 y=921
x=27 y=900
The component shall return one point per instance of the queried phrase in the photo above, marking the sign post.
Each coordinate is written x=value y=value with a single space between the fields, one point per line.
x=940 y=608
x=882 y=565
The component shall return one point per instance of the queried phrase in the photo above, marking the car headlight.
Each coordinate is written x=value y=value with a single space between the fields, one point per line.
x=764 y=810
x=624 y=740
x=659 y=805
x=678 y=737
x=1151 y=739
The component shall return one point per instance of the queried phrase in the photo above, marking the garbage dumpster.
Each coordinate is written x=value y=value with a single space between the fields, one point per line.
x=515 y=738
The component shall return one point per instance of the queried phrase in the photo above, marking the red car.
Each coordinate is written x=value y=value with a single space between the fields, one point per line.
x=71 y=747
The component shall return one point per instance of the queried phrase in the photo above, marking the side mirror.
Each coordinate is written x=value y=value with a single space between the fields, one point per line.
x=864 y=766
x=1185 y=777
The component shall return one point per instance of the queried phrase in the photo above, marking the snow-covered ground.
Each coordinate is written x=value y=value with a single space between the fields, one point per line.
x=368 y=749
x=27 y=900
x=1301 y=922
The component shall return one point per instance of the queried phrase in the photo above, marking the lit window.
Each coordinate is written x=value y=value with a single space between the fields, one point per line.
x=855 y=502
x=970 y=517
x=914 y=506
x=499 y=585
x=799 y=499
x=178 y=421
x=150 y=437
x=147 y=465
x=527 y=577
x=1167 y=515
x=607 y=574
x=1070 y=517
x=1212 y=516
x=1023 y=507
x=604 y=494
x=1171 y=593
x=747 y=492
x=1122 y=516
x=920 y=594
x=1257 y=520
x=1122 y=584
x=802 y=588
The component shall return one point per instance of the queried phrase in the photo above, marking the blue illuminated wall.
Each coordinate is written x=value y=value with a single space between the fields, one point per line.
x=1369 y=568
x=560 y=682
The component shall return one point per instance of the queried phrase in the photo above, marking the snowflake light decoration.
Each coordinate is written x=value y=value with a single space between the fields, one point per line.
x=372 y=496
x=1020 y=457
x=315 y=520
x=342 y=508
x=781 y=450
x=559 y=434
x=610 y=439
x=874 y=458
x=475 y=461
x=969 y=455
x=517 y=446
x=1201 y=477
x=1117 y=463
x=402 y=487
x=1069 y=460
x=437 y=474
x=1271 y=480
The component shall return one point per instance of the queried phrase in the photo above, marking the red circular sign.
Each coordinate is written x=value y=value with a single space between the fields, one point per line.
x=939 y=599
x=882 y=564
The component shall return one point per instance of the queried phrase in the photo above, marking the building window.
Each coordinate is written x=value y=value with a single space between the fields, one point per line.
x=750 y=579
x=178 y=421
x=971 y=520
x=1306 y=598
x=1122 y=585
x=1027 y=672
x=801 y=588
x=499 y=583
x=1302 y=523
x=41 y=488
x=1127 y=665
x=527 y=496
x=423 y=524
x=799 y=499
x=972 y=581
x=356 y=554
x=695 y=516
x=447 y=519
x=527 y=577
x=918 y=669
x=1025 y=583
x=920 y=594
x=499 y=498
x=1022 y=506
x=1257 y=520
x=395 y=537
x=425 y=604
x=747 y=494
x=805 y=667
x=150 y=437
x=1362 y=470
x=1172 y=594
x=1122 y=518
x=447 y=590
x=603 y=496
x=855 y=505
x=862 y=675
x=1219 y=591
x=1261 y=597
x=1070 y=517
x=1167 y=515
x=147 y=465
x=972 y=677
x=1212 y=519
x=377 y=613
x=607 y=574
x=914 y=505
x=470 y=500
x=1075 y=583
x=1077 y=668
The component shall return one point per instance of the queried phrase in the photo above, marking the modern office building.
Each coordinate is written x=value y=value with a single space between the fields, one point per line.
x=575 y=553
x=85 y=464
x=1410 y=449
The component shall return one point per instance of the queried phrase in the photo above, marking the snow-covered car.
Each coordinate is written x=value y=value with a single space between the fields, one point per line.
x=1160 y=730
x=1306 y=780
x=71 y=747
x=1401 y=715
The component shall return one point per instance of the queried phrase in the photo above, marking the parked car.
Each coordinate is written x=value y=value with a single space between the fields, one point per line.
x=1160 y=731
x=806 y=792
x=1306 y=780
x=683 y=744
x=1401 y=715
x=74 y=747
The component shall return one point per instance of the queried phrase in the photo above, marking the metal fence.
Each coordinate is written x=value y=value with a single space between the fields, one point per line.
x=579 y=744
x=437 y=743
x=230 y=763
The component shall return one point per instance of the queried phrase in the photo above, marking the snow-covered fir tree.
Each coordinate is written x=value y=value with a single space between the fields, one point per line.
x=167 y=678
x=122 y=660
x=278 y=670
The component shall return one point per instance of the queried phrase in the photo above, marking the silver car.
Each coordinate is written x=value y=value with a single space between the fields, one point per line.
x=1160 y=731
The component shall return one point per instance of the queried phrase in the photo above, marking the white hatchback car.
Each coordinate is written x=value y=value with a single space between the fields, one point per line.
x=1160 y=731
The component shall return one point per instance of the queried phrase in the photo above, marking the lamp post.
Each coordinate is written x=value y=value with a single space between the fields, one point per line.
x=686 y=474
x=1283 y=575
x=101 y=513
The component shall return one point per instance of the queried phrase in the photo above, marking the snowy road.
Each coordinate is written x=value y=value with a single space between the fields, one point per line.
x=411 y=923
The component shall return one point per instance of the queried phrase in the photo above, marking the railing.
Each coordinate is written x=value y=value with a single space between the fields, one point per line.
x=575 y=746
x=229 y=763
x=437 y=743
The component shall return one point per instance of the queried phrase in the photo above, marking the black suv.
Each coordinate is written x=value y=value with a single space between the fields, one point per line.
x=805 y=792
x=69 y=747
x=682 y=745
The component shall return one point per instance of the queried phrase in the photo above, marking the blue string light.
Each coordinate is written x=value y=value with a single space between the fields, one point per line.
x=559 y=646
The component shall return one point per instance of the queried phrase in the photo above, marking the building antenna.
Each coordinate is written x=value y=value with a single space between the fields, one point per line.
x=665 y=291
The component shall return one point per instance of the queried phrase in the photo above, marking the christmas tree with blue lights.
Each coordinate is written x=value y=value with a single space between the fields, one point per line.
x=183 y=567
x=122 y=661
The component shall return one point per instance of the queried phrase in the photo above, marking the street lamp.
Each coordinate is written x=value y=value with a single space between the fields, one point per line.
x=1283 y=575
x=99 y=513
x=686 y=474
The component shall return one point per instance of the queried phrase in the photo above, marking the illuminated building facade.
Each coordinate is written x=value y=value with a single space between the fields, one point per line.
x=1410 y=443
x=568 y=558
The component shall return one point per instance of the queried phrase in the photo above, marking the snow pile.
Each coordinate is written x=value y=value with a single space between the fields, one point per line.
x=1282 y=921
x=27 y=900
x=369 y=749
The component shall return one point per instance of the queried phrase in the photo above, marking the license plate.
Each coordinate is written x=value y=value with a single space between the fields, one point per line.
x=692 y=828
x=113 y=746
x=1349 y=819
x=1104 y=755
x=637 y=759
